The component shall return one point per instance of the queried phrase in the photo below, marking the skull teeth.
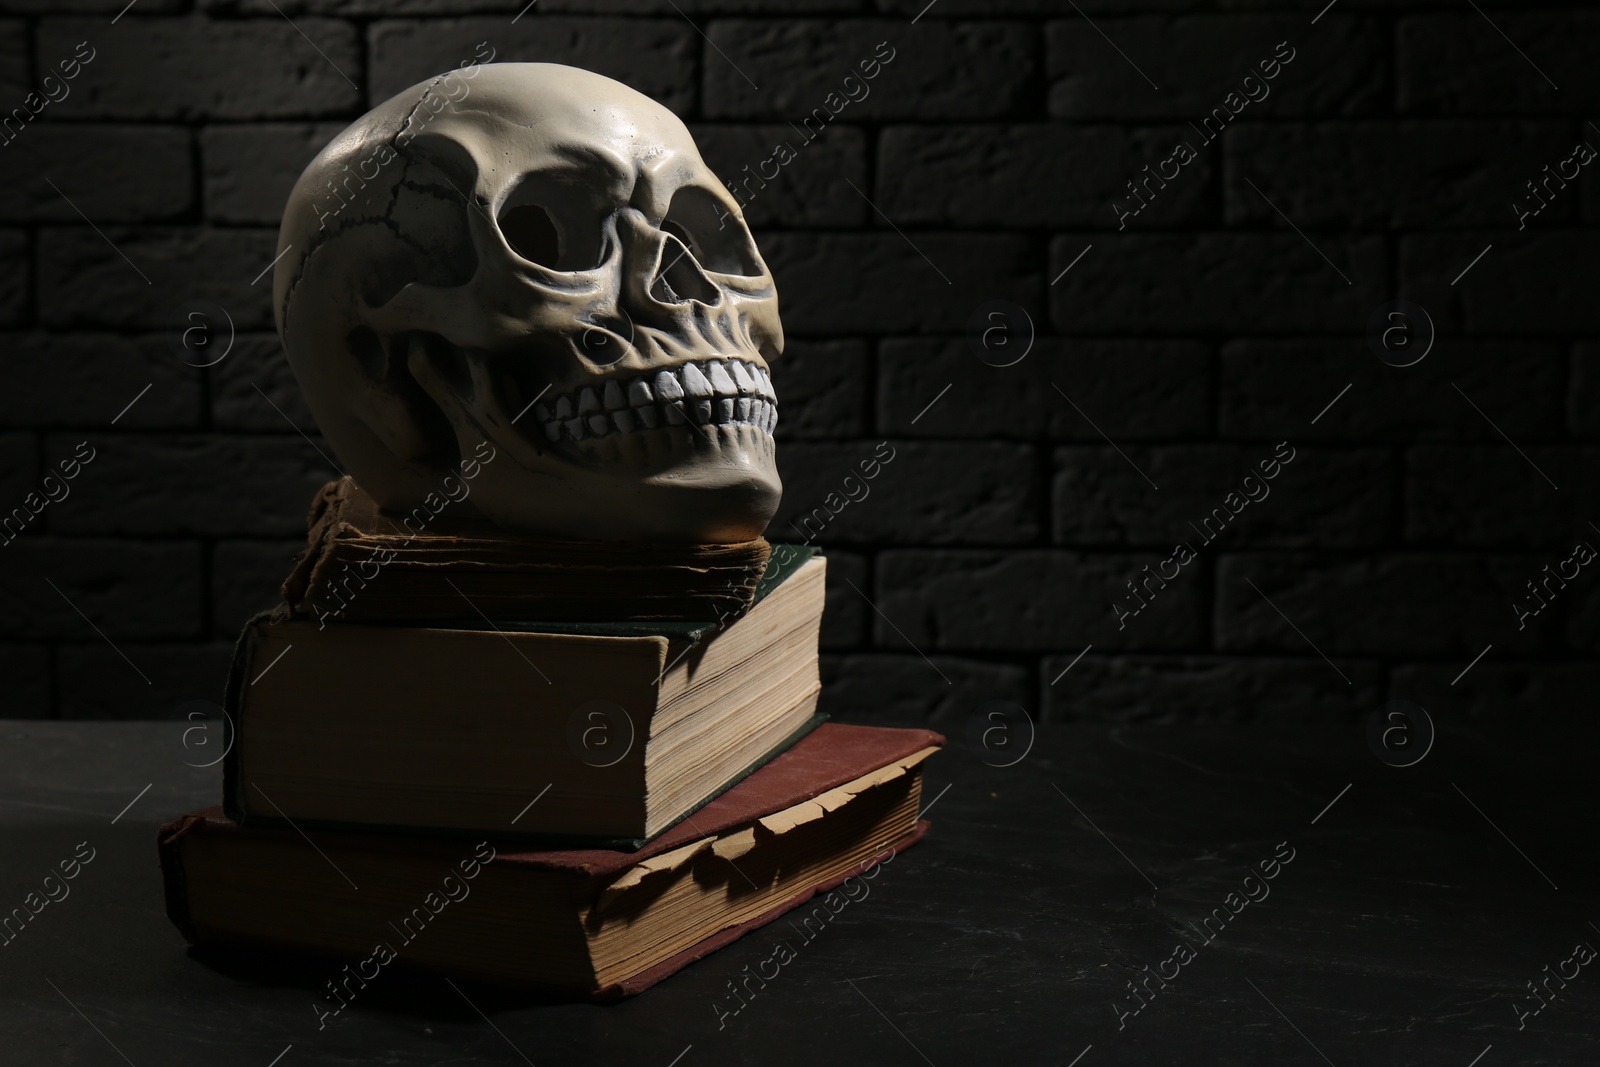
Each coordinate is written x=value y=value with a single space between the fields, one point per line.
x=613 y=397
x=667 y=386
x=711 y=392
x=722 y=383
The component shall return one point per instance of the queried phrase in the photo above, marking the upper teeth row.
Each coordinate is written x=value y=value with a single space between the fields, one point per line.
x=704 y=392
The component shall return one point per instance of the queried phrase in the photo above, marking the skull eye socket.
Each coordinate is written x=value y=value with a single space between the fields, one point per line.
x=551 y=219
x=531 y=233
x=715 y=237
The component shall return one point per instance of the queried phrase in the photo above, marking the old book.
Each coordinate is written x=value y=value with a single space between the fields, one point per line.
x=366 y=565
x=608 y=732
x=594 y=923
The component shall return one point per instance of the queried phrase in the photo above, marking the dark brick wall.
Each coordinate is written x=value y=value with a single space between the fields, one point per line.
x=1169 y=355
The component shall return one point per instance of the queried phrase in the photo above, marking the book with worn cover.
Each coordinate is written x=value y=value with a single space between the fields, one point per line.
x=362 y=564
x=593 y=923
x=568 y=732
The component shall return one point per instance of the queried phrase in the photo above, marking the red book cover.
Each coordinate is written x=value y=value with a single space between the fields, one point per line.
x=831 y=756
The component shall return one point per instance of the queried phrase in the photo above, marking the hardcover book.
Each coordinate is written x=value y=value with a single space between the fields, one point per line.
x=366 y=565
x=592 y=732
x=593 y=922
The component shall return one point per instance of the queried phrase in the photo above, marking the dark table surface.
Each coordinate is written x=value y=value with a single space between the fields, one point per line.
x=1419 y=903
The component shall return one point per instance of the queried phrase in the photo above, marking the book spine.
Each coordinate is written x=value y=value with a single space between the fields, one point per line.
x=244 y=654
x=169 y=846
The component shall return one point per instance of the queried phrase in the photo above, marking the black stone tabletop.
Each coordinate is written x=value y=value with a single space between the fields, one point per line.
x=1135 y=895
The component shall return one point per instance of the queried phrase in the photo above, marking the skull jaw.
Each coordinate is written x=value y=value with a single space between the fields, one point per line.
x=687 y=483
x=726 y=491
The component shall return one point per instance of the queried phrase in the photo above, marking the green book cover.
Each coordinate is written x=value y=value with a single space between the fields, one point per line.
x=783 y=563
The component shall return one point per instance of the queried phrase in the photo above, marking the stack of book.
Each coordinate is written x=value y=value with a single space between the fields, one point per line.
x=570 y=767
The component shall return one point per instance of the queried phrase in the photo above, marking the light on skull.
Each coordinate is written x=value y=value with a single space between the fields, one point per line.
x=549 y=267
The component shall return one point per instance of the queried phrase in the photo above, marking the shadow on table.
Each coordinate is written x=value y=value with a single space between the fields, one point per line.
x=397 y=988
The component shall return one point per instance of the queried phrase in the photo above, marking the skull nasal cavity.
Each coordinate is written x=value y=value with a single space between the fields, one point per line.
x=531 y=233
x=680 y=280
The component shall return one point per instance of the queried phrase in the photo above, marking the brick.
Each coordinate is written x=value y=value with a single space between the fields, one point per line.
x=1322 y=498
x=805 y=191
x=1590 y=181
x=878 y=282
x=86 y=283
x=38 y=481
x=1339 y=68
x=15 y=260
x=258 y=365
x=246 y=577
x=81 y=157
x=1581 y=606
x=250 y=169
x=1286 y=691
x=1397 y=605
x=823 y=389
x=1028 y=600
x=1492 y=496
x=15 y=81
x=1529 y=283
x=844 y=617
x=1130 y=389
x=405 y=52
x=48 y=373
x=1432 y=174
x=1216 y=282
x=1037 y=174
x=198 y=68
x=939 y=70
x=1583 y=398
x=907 y=690
x=1523 y=701
x=922 y=492
x=19 y=467
x=27 y=673
x=1458 y=63
x=94 y=682
x=209 y=485
x=136 y=590
x=1275 y=388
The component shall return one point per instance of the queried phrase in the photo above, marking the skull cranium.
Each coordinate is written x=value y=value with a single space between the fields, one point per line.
x=532 y=261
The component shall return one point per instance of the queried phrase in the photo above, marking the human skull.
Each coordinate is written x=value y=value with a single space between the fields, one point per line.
x=521 y=278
